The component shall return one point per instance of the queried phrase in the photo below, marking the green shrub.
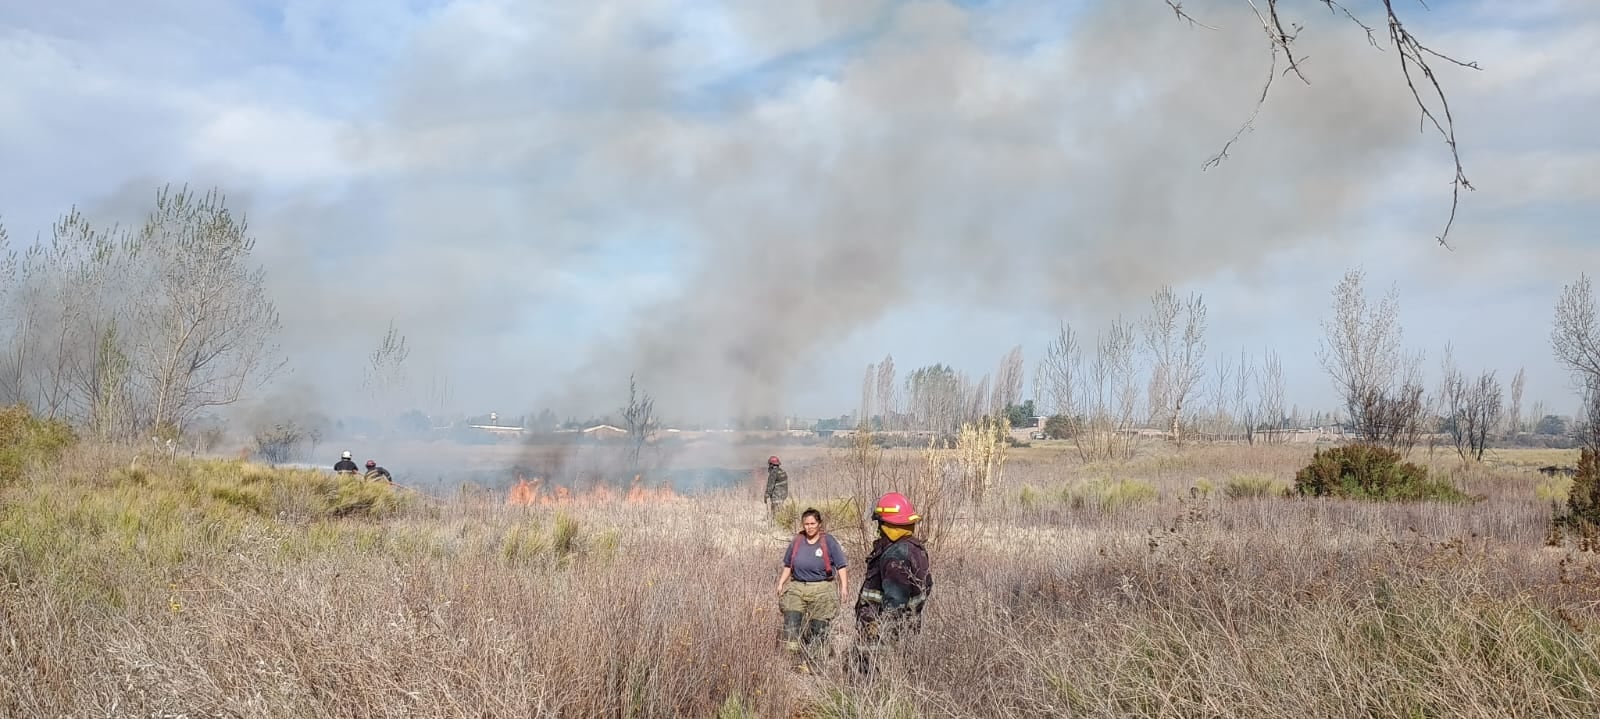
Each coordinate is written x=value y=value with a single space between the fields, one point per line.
x=1583 y=498
x=1373 y=472
x=1109 y=495
x=837 y=512
x=1582 y=513
x=1251 y=486
x=25 y=439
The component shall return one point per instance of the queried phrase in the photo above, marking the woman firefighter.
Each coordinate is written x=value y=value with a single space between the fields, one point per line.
x=812 y=586
x=898 y=581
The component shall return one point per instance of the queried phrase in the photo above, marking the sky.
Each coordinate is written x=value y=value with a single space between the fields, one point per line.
x=746 y=203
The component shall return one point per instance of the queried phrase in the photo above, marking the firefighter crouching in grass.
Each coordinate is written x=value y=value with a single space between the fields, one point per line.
x=897 y=585
x=811 y=588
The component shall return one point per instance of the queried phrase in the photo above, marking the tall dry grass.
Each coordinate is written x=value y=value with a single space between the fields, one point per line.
x=1069 y=589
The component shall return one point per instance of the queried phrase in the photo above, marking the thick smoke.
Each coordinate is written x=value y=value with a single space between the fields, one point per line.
x=866 y=157
x=930 y=166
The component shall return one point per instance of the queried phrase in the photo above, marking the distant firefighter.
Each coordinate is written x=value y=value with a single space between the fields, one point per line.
x=777 y=485
x=345 y=465
x=376 y=472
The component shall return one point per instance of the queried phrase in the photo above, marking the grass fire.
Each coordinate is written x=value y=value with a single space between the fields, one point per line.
x=848 y=359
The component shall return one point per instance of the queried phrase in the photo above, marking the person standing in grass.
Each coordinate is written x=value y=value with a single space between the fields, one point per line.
x=812 y=587
x=777 y=486
x=897 y=584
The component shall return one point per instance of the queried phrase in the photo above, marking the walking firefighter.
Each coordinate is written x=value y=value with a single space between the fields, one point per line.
x=897 y=584
x=811 y=588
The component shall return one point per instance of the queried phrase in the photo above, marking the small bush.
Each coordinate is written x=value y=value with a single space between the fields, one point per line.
x=1368 y=471
x=1582 y=513
x=25 y=440
x=1583 y=498
x=1109 y=495
x=1029 y=497
x=1252 y=486
x=837 y=513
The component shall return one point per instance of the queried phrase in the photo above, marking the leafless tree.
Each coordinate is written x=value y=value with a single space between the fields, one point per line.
x=640 y=420
x=1485 y=403
x=1273 y=395
x=937 y=395
x=888 y=400
x=1108 y=420
x=1381 y=387
x=1536 y=413
x=868 y=380
x=977 y=399
x=1177 y=360
x=1060 y=372
x=25 y=288
x=1514 y=409
x=1160 y=342
x=1575 y=337
x=206 y=322
x=1415 y=59
x=1471 y=408
x=1222 y=411
x=384 y=376
x=1246 y=409
x=1008 y=381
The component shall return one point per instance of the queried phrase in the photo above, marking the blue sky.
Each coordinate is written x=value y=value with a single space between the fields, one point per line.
x=547 y=196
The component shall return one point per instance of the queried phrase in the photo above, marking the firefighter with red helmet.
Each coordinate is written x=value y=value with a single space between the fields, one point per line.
x=777 y=485
x=898 y=579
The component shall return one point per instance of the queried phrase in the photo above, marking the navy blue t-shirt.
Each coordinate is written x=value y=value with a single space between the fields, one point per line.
x=808 y=565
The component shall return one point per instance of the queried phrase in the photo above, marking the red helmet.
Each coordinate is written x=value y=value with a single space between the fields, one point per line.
x=894 y=508
x=371 y=464
x=773 y=461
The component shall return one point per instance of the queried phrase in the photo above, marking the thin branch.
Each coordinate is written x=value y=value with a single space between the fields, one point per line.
x=1177 y=7
x=1412 y=53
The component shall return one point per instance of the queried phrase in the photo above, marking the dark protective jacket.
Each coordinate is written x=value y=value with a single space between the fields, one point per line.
x=345 y=465
x=777 y=483
x=899 y=581
x=379 y=473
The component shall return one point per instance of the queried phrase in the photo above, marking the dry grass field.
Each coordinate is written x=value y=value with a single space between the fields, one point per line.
x=1178 y=584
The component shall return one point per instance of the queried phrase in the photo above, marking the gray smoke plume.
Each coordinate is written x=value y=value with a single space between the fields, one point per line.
x=880 y=154
x=929 y=166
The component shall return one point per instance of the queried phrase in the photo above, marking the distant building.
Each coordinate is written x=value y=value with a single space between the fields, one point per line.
x=493 y=426
x=605 y=431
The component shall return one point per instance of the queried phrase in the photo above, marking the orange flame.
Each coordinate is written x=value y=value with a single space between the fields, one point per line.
x=525 y=493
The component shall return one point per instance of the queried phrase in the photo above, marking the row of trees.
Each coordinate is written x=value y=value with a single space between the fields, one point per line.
x=1154 y=372
x=130 y=332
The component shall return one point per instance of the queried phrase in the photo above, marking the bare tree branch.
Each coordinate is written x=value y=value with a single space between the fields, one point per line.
x=1413 y=56
x=1177 y=7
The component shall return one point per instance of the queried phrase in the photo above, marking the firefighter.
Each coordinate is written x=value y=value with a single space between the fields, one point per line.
x=376 y=472
x=345 y=465
x=811 y=588
x=777 y=486
x=897 y=584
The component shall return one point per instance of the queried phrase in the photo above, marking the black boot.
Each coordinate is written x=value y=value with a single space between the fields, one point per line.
x=816 y=641
x=792 y=622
